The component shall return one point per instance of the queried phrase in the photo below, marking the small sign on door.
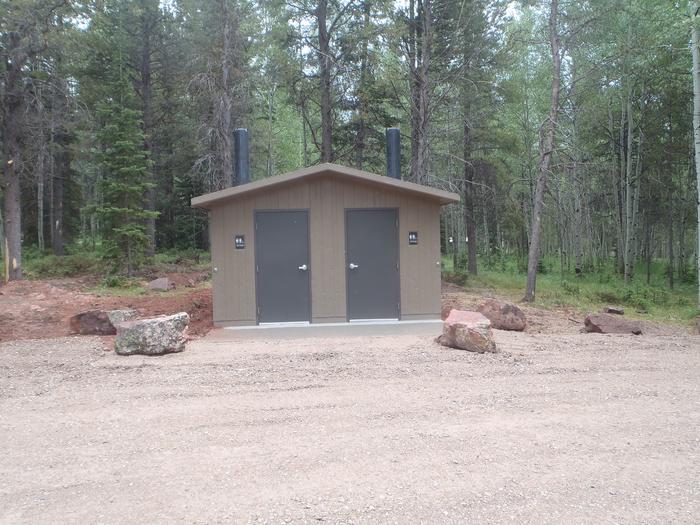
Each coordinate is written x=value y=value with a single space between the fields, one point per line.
x=412 y=237
x=239 y=242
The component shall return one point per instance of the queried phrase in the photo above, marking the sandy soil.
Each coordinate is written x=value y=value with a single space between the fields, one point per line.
x=577 y=428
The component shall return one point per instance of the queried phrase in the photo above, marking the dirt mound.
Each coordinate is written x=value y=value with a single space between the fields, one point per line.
x=41 y=309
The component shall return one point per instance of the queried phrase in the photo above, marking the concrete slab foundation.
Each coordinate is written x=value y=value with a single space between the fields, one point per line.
x=305 y=330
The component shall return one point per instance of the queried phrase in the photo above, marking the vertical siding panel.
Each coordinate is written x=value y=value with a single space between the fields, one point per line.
x=410 y=258
x=316 y=248
x=218 y=286
x=337 y=254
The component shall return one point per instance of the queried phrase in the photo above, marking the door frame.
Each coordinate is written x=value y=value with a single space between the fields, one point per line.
x=398 y=255
x=255 y=254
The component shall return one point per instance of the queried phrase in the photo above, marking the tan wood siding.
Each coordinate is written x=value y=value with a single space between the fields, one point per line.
x=326 y=198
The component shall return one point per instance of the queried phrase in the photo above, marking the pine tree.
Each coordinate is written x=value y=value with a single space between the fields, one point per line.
x=125 y=184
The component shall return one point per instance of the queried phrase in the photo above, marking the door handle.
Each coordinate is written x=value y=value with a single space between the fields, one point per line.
x=352 y=266
x=303 y=267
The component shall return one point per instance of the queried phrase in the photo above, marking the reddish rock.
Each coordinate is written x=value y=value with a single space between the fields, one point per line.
x=617 y=310
x=611 y=324
x=162 y=284
x=92 y=322
x=503 y=316
x=468 y=331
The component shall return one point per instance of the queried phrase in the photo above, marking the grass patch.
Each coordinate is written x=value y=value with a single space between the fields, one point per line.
x=51 y=266
x=589 y=292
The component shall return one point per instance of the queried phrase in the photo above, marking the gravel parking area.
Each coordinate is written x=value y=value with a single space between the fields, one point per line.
x=580 y=428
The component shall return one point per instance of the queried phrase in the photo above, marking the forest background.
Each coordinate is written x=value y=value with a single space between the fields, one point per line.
x=566 y=127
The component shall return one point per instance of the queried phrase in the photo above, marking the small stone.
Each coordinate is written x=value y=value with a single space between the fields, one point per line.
x=616 y=310
x=162 y=284
x=155 y=336
x=611 y=324
x=503 y=315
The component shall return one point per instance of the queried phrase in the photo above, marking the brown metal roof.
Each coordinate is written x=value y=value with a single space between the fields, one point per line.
x=212 y=199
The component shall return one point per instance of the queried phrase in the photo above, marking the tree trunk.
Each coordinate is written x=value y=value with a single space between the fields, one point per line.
x=270 y=129
x=629 y=189
x=468 y=188
x=225 y=103
x=61 y=175
x=39 y=170
x=419 y=65
x=11 y=123
x=547 y=148
x=361 y=137
x=324 y=65
x=696 y=120
x=619 y=195
x=670 y=238
x=648 y=249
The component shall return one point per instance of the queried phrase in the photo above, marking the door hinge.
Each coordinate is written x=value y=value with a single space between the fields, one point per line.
x=257 y=269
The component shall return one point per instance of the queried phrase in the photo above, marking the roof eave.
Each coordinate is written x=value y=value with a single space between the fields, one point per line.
x=210 y=200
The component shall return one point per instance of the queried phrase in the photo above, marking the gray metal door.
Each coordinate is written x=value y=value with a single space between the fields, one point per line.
x=372 y=263
x=282 y=266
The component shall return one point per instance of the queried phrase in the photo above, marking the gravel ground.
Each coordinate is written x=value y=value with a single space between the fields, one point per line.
x=555 y=428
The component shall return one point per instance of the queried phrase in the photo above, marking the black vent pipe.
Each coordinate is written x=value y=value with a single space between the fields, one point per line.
x=241 y=158
x=393 y=152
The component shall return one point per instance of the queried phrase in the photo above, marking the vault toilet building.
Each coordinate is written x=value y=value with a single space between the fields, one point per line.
x=324 y=244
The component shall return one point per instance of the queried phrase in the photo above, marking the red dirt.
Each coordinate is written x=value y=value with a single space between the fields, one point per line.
x=41 y=309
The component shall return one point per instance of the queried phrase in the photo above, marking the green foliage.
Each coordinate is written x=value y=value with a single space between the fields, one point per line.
x=588 y=292
x=124 y=185
x=81 y=263
x=116 y=281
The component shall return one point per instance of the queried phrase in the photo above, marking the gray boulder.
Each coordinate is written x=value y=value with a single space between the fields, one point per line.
x=611 y=324
x=155 y=336
x=503 y=316
x=120 y=316
x=162 y=284
x=467 y=331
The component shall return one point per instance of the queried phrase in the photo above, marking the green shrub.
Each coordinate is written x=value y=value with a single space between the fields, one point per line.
x=570 y=288
x=65 y=266
x=115 y=281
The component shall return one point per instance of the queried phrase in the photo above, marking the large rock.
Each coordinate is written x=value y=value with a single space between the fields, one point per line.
x=467 y=331
x=503 y=316
x=162 y=284
x=100 y=322
x=121 y=316
x=611 y=324
x=155 y=336
x=92 y=322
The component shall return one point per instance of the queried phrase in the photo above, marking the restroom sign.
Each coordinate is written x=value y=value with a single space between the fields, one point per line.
x=412 y=237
